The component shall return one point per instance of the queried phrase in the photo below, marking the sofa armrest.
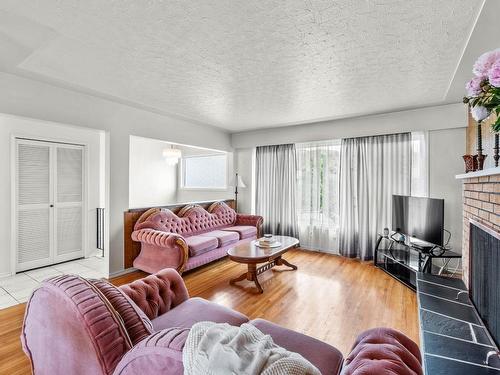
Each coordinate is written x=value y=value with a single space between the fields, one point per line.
x=160 y=353
x=164 y=241
x=156 y=294
x=156 y=237
x=383 y=351
x=253 y=220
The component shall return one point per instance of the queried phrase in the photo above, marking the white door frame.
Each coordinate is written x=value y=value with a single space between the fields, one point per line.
x=13 y=190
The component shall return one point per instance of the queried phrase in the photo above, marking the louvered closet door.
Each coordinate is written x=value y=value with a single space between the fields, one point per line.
x=50 y=204
x=68 y=203
x=33 y=214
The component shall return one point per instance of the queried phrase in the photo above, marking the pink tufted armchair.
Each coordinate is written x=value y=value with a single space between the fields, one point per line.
x=192 y=238
x=78 y=326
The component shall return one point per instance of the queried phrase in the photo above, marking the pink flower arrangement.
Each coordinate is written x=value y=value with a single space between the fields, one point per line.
x=483 y=90
x=494 y=74
x=484 y=63
x=473 y=87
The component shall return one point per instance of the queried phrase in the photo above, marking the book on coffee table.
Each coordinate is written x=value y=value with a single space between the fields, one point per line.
x=267 y=242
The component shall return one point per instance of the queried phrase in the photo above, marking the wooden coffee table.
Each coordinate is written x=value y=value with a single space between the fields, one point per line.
x=251 y=254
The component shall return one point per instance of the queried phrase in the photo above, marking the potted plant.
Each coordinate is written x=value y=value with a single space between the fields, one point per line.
x=483 y=97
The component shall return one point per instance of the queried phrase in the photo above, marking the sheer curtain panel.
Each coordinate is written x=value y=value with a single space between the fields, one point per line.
x=372 y=170
x=318 y=165
x=275 y=169
x=420 y=164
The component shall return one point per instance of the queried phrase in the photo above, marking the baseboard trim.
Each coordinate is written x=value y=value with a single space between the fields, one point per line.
x=6 y=274
x=122 y=272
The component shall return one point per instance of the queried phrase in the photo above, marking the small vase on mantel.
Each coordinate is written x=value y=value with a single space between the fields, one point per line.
x=470 y=163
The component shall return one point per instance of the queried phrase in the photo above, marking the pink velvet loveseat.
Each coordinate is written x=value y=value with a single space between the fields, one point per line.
x=191 y=238
x=77 y=326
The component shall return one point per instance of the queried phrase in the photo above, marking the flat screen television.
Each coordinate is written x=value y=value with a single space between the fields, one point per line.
x=420 y=218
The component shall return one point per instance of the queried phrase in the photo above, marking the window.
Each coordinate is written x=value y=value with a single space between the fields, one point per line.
x=318 y=166
x=204 y=172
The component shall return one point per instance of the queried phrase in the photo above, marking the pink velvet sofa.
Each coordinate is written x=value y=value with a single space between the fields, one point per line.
x=192 y=238
x=78 y=326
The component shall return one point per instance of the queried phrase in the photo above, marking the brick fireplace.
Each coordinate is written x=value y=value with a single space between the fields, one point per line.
x=481 y=202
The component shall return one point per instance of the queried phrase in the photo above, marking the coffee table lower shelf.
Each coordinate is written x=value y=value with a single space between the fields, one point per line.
x=254 y=271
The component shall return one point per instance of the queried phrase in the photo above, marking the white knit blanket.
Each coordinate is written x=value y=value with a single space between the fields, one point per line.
x=219 y=349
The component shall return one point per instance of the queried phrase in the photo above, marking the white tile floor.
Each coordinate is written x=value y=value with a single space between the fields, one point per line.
x=17 y=289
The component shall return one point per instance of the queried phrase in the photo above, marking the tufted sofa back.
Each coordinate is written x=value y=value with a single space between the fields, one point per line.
x=158 y=293
x=192 y=219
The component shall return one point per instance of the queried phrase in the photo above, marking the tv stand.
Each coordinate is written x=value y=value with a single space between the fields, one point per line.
x=403 y=261
x=422 y=246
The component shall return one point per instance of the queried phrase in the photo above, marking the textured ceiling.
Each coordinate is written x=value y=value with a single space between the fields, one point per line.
x=241 y=64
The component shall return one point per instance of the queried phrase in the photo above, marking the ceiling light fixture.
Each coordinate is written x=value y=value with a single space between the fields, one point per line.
x=172 y=155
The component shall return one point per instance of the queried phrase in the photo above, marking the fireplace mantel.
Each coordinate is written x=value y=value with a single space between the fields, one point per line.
x=483 y=173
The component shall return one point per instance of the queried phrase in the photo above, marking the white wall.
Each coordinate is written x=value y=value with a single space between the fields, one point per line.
x=446 y=148
x=13 y=126
x=430 y=118
x=152 y=182
x=25 y=97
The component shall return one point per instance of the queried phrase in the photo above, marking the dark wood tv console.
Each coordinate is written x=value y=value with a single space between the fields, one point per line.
x=403 y=262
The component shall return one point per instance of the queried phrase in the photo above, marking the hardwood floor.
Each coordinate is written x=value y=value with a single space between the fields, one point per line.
x=329 y=297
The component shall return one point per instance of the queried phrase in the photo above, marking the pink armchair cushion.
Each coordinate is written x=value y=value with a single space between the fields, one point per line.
x=245 y=231
x=135 y=320
x=156 y=294
x=201 y=244
x=326 y=358
x=196 y=310
x=383 y=351
x=70 y=328
x=161 y=353
x=224 y=237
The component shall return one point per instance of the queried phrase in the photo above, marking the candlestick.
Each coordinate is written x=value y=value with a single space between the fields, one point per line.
x=496 y=156
x=480 y=156
x=479 y=139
